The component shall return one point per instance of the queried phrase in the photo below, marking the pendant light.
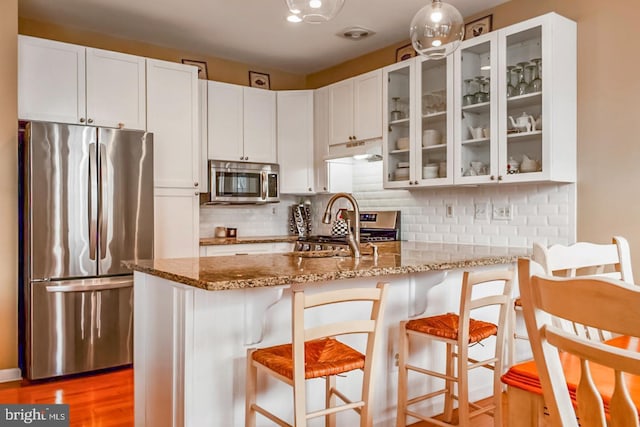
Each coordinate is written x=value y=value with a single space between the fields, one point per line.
x=313 y=11
x=437 y=30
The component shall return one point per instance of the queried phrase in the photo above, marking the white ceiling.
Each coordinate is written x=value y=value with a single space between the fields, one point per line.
x=249 y=31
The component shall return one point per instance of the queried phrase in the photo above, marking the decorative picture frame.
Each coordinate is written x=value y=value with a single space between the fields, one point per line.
x=405 y=52
x=260 y=80
x=202 y=68
x=478 y=27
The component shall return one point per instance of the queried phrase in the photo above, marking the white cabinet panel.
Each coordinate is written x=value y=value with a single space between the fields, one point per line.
x=321 y=138
x=172 y=99
x=177 y=223
x=51 y=81
x=259 y=125
x=368 y=106
x=202 y=127
x=295 y=141
x=115 y=89
x=341 y=112
x=225 y=122
x=355 y=108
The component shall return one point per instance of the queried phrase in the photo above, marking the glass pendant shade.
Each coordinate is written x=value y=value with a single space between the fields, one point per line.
x=315 y=11
x=437 y=30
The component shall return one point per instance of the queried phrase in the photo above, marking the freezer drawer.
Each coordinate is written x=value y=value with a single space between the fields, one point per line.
x=79 y=325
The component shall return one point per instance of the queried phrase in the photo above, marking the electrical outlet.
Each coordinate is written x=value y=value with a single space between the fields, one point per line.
x=481 y=211
x=449 y=211
x=503 y=212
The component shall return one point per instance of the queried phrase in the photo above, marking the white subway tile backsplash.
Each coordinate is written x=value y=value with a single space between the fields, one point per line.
x=542 y=212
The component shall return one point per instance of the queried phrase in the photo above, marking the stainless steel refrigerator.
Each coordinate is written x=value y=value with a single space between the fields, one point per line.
x=87 y=205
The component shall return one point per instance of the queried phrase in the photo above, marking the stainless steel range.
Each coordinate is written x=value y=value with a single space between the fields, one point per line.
x=375 y=226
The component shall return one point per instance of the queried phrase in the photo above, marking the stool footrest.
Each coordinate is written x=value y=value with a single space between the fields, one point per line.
x=269 y=415
x=428 y=372
x=355 y=406
x=345 y=399
x=425 y=396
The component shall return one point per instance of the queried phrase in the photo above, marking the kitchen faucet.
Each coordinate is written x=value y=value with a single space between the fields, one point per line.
x=353 y=237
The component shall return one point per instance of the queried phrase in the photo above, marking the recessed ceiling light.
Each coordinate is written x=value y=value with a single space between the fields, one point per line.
x=294 y=18
x=355 y=33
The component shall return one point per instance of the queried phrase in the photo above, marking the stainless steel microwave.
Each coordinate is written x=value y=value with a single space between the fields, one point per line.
x=243 y=183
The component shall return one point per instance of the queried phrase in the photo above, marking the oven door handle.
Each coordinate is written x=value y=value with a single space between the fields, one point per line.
x=83 y=287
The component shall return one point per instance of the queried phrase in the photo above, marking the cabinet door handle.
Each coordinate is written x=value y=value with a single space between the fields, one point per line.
x=242 y=158
x=309 y=188
x=197 y=193
x=492 y=178
x=90 y=121
x=195 y=184
x=81 y=119
x=246 y=157
x=499 y=177
x=324 y=188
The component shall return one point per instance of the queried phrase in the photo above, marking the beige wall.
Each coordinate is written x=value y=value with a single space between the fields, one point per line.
x=8 y=184
x=218 y=69
x=608 y=108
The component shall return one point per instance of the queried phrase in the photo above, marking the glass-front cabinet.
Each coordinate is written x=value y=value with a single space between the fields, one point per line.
x=476 y=106
x=417 y=147
x=398 y=141
x=515 y=104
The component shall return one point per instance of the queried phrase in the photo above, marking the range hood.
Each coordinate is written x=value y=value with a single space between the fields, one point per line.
x=369 y=150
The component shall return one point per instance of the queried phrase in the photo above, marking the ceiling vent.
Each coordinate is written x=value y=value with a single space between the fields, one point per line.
x=355 y=33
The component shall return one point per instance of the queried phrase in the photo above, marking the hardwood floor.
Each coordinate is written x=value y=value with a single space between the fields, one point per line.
x=104 y=400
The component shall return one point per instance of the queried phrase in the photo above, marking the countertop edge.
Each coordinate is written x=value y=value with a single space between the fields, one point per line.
x=222 y=241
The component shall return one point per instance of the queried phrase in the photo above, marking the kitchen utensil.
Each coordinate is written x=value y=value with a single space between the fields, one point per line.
x=396 y=114
x=403 y=164
x=220 y=232
x=486 y=133
x=469 y=97
x=401 y=173
x=513 y=166
x=431 y=137
x=476 y=133
x=232 y=232
x=511 y=89
x=522 y=86
x=402 y=143
x=528 y=165
x=478 y=168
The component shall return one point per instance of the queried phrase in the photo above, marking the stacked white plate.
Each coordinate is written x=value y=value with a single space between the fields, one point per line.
x=431 y=137
x=430 y=171
x=402 y=171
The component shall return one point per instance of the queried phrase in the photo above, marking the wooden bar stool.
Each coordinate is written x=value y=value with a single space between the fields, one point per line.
x=611 y=260
x=459 y=332
x=316 y=353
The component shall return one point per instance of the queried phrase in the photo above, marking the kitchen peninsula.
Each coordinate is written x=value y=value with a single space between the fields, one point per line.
x=196 y=317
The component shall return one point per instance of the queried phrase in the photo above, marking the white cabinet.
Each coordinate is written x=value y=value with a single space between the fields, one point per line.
x=172 y=99
x=295 y=141
x=494 y=75
x=246 y=248
x=355 y=108
x=67 y=83
x=418 y=144
x=203 y=135
x=241 y=123
x=177 y=223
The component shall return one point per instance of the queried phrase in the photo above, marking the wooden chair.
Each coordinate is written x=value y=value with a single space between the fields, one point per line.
x=458 y=332
x=580 y=259
x=316 y=353
x=602 y=303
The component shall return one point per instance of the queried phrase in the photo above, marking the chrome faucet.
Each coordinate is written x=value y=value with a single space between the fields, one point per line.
x=353 y=237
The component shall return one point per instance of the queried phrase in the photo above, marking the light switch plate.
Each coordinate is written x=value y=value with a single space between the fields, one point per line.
x=481 y=211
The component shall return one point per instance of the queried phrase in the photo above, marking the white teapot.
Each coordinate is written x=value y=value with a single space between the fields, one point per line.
x=524 y=123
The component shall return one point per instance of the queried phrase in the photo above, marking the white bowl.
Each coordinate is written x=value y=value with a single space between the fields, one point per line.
x=431 y=137
x=402 y=143
x=401 y=173
x=430 y=171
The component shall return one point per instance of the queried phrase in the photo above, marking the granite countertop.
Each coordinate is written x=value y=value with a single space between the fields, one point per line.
x=253 y=271
x=212 y=241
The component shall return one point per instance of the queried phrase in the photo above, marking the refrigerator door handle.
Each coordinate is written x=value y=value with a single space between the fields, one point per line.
x=93 y=211
x=103 y=201
x=82 y=287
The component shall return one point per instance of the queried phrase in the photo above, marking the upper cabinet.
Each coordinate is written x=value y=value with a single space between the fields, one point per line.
x=355 y=108
x=67 y=83
x=515 y=117
x=295 y=141
x=172 y=99
x=418 y=144
x=241 y=123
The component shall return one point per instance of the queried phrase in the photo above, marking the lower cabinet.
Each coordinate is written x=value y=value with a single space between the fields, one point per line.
x=246 y=248
x=177 y=223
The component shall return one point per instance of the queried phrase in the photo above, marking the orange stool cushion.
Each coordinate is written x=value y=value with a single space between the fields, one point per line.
x=446 y=326
x=322 y=357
